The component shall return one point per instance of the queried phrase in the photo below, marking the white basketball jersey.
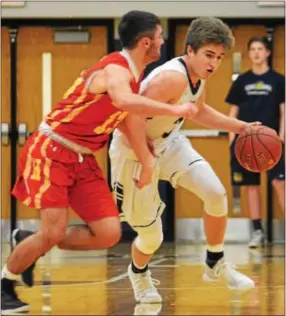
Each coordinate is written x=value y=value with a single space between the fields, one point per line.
x=162 y=129
x=163 y=126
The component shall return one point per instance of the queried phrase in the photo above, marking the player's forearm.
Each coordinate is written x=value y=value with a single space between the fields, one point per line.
x=134 y=128
x=212 y=118
x=141 y=105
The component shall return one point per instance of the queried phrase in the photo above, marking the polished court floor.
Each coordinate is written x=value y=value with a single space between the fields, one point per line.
x=95 y=283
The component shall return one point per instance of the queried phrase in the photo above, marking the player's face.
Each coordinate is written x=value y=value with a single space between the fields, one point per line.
x=206 y=60
x=154 y=49
x=258 y=53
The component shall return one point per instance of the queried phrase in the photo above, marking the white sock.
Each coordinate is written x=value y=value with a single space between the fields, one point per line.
x=8 y=275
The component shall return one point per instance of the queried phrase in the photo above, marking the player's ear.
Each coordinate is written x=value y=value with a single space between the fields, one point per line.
x=190 y=50
x=146 y=42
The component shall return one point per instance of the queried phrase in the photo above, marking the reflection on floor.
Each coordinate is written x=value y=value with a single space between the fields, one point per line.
x=95 y=283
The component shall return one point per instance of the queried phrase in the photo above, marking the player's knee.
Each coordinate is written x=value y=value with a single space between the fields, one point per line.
x=217 y=194
x=216 y=201
x=53 y=226
x=51 y=237
x=112 y=238
x=148 y=244
x=108 y=230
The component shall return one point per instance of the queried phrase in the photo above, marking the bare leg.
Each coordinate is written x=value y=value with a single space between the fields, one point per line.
x=53 y=226
x=139 y=259
x=253 y=201
x=148 y=241
x=202 y=181
x=254 y=206
x=215 y=228
x=279 y=186
x=99 y=234
x=144 y=246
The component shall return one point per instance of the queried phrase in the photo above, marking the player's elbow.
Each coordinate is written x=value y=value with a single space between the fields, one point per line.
x=122 y=102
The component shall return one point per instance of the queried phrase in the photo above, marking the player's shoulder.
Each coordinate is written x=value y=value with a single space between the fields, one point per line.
x=170 y=65
x=176 y=64
x=113 y=60
x=170 y=78
x=168 y=73
x=115 y=56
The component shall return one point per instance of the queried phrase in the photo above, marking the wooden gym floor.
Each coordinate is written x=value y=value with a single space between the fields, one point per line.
x=95 y=283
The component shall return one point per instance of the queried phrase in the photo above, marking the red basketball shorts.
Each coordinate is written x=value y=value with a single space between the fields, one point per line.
x=52 y=176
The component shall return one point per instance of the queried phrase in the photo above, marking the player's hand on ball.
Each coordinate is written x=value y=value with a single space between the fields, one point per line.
x=258 y=148
x=251 y=124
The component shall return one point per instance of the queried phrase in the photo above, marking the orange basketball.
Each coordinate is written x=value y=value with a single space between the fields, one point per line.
x=258 y=148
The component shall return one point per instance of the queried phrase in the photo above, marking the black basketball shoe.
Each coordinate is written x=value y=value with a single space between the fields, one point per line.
x=10 y=303
x=19 y=235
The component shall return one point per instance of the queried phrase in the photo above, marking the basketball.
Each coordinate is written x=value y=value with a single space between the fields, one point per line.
x=258 y=148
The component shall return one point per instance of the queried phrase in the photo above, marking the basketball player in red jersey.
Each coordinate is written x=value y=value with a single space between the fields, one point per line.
x=57 y=168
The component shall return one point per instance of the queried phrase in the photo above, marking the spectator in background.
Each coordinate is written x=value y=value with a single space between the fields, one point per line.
x=258 y=95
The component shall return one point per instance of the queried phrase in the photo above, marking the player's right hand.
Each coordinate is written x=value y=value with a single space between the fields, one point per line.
x=151 y=147
x=145 y=177
x=188 y=110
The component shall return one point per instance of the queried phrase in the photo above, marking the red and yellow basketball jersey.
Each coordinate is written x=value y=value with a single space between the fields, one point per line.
x=87 y=118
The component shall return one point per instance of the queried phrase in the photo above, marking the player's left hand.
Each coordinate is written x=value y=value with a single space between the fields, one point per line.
x=246 y=125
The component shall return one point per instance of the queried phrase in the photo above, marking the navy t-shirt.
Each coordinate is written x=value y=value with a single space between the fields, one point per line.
x=258 y=97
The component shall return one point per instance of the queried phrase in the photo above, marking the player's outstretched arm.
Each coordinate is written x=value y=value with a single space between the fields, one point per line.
x=168 y=86
x=212 y=118
x=118 y=87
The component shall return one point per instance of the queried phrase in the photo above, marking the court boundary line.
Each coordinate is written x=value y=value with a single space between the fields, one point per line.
x=111 y=280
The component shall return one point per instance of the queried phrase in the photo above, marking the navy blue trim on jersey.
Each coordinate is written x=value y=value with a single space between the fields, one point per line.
x=193 y=88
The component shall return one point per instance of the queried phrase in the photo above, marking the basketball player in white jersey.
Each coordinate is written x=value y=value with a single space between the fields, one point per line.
x=179 y=80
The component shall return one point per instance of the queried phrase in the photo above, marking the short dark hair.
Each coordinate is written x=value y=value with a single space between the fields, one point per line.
x=261 y=39
x=136 y=24
x=208 y=30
